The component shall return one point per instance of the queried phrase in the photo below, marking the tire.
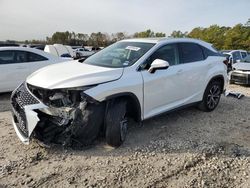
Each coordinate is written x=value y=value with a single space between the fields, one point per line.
x=87 y=124
x=116 y=123
x=211 y=97
x=78 y=56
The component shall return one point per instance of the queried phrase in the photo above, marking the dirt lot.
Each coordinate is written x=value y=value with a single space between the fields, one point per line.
x=187 y=148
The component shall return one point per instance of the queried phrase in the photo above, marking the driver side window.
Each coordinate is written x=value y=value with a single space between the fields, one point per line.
x=168 y=53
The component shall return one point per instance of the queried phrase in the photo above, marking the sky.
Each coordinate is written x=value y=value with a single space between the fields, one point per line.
x=36 y=19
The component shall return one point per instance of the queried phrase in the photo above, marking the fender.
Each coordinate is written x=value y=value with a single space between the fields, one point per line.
x=217 y=77
x=135 y=102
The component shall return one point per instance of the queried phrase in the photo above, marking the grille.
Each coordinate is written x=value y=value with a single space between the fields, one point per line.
x=24 y=97
x=20 y=98
x=239 y=78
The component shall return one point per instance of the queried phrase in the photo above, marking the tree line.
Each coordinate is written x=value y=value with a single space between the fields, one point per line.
x=97 y=39
x=237 y=37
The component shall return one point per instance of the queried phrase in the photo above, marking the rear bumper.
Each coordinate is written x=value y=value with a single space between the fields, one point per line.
x=240 y=77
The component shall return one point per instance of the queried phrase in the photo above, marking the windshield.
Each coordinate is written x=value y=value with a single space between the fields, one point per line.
x=120 y=54
x=246 y=59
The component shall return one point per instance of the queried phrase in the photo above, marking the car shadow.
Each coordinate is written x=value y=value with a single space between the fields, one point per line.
x=5 y=102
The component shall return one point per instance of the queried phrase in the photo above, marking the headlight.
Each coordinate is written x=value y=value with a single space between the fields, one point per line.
x=68 y=97
x=83 y=88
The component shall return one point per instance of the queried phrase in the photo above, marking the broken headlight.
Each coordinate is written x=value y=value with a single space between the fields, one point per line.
x=68 y=97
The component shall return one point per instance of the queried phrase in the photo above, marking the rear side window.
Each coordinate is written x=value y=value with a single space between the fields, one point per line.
x=17 y=56
x=208 y=52
x=32 y=57
x=7 y=57
x=13 y=56
x=190 y=52
x=243 y=54
x=20 y=56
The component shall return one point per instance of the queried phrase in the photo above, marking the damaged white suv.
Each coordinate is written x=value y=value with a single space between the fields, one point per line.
x=71 y=103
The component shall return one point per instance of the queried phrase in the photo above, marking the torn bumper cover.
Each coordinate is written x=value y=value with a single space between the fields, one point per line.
x=240 y=77
x=65 y=117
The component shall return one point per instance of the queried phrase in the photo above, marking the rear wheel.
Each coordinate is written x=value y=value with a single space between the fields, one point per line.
x=211 y=97
x=116 y=123
x=78 y=55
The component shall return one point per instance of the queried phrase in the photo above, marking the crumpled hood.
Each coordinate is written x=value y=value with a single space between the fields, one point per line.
x=72 y=74
x=242 y=66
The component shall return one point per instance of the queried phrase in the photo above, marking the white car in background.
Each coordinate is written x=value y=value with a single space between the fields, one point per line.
x=16 y=63
x=83 y=52
x=70 y=103
x=60 y=50
x=241 y=72
x=234 y=56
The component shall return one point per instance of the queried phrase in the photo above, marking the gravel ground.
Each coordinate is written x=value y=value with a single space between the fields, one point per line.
x=187 y=148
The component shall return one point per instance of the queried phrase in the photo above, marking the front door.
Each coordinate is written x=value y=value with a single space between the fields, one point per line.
x=163 y=89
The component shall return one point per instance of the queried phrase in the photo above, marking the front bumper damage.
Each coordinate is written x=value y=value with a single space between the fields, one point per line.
x=240 y=77
x=76 y=122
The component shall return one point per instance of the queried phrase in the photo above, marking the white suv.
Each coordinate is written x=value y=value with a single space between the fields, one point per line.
x=71 y=103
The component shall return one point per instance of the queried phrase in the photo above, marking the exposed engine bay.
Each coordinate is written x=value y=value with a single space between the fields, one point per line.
x=69 y=118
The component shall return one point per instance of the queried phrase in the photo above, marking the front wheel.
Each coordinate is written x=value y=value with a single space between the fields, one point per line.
x=211 y=97
x=116 y=122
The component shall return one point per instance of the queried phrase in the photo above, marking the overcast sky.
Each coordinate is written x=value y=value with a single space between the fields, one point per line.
x=36 y=19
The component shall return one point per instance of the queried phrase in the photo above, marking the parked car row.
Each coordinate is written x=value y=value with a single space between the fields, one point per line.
x=65 y=51
x=16 y=63
x=60 y=50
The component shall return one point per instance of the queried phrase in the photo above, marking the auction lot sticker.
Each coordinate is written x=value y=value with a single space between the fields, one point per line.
x=133 y=48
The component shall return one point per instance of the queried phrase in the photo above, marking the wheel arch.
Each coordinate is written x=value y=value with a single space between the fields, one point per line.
x=133 y=105
x=202 y=105
x=219 y=78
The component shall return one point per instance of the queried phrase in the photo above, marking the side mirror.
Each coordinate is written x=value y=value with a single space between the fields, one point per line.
x=158 y=64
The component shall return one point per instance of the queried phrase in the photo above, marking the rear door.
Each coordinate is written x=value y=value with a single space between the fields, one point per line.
x=194 y=66
x=37 y=61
